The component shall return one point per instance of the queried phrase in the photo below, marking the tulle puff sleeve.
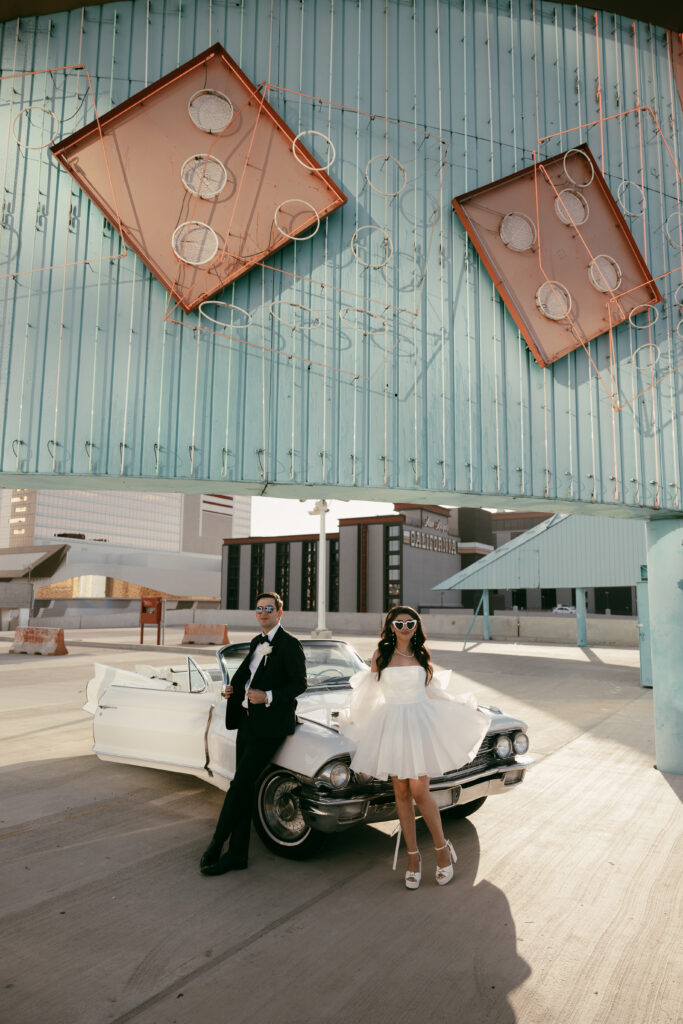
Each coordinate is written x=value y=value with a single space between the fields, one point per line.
x=365 y=699
x=444 y=685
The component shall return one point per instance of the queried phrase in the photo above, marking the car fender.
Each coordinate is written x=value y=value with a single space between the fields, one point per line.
x=503 y=723
x=310 y=747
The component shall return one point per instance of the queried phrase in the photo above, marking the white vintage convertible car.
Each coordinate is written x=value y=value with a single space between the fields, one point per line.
x=174 y=718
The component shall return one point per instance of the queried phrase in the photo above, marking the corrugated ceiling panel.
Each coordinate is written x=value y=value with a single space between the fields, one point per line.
x=100 y=390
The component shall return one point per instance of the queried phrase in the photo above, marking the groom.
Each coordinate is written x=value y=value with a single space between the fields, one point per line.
x=261 y=706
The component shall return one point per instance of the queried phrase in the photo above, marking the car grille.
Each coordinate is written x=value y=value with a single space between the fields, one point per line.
x=484 y=758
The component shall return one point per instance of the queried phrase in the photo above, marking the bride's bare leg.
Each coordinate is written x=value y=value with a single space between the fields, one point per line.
x=406 y=815
x=419 y=789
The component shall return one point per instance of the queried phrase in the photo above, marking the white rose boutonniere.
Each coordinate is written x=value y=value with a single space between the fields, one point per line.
x=267 y=649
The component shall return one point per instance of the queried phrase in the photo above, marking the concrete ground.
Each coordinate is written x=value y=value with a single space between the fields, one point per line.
x=565 y=907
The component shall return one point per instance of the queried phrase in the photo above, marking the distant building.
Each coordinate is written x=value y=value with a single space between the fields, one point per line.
x=373 y=562
x=614 y=600
x=159 y=522
x=173 y=523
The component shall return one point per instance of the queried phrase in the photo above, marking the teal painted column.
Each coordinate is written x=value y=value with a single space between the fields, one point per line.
x=487 y=624
x=581 y=636
x=644 y=634
x=665 y=576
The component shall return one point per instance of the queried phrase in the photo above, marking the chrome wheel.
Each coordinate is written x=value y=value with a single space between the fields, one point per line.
x=278 y=818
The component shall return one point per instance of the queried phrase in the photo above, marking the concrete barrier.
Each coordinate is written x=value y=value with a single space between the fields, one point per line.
x=528 y=627
x=201 y=633
x=38 y=640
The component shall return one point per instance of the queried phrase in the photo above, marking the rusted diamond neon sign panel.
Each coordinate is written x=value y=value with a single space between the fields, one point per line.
x=202 y=178
x=560 y=253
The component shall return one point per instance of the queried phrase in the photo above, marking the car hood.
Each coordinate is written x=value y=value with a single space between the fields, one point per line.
x=318 y=705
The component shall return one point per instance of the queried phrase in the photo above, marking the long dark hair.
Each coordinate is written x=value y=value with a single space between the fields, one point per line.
x=387 y=641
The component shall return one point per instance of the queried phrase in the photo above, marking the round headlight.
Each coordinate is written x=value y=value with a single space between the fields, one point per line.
x=336 y=774
x=503 y=746
x=520 y=742
x=339 y=776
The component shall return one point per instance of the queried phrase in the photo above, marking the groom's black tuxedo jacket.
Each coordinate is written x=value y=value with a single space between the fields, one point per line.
x=283 y=673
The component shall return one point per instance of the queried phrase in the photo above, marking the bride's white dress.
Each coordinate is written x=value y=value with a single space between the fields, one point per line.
x=404 y=728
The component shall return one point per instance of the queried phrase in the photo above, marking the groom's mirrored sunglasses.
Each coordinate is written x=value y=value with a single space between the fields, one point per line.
x=408 y=623
x=260 y=608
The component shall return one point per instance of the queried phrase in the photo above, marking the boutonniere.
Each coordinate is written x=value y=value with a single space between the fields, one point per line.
x=267 y=649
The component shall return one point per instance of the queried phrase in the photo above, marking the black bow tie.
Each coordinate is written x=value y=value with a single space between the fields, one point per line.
x=261 y=640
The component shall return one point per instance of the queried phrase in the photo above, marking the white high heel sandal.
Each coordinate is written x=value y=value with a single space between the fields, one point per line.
x=444 y=875
x=413 y=878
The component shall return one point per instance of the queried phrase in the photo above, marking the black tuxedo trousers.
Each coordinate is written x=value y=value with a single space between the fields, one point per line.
x=254 y=753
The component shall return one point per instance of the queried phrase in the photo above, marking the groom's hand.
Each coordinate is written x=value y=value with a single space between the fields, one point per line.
x=256 y=696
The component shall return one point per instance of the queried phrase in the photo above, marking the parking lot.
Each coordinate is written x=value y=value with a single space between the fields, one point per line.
x=563 y=907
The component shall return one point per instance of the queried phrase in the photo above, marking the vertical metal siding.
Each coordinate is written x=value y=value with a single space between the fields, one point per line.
x=98 y=387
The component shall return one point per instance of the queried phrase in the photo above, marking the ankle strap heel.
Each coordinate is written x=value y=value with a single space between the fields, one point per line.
x=413 y=878
x=444 y=875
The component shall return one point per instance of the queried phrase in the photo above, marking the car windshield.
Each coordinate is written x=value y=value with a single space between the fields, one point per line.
x=329 y=663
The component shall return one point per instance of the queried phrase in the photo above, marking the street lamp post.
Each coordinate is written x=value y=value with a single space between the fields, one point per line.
x=321 y=508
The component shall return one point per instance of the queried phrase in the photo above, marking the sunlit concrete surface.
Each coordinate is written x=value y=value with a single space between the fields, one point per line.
x=565 y=906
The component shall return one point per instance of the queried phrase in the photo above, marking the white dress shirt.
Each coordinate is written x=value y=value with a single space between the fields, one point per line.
x=256 y=659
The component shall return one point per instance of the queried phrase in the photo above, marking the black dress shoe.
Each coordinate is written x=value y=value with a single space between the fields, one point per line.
x=224 y=864
x=210 y=855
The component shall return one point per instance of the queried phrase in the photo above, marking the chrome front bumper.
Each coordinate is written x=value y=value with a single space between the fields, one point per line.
x=327 y=811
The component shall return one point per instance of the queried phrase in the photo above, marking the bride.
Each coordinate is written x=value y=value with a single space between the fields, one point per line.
x=409 y=726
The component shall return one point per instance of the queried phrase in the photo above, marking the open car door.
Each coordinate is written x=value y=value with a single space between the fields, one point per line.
x=156 y=722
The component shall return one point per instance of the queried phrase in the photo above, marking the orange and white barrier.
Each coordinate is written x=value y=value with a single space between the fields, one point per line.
x=200 y=633
x=38 y=640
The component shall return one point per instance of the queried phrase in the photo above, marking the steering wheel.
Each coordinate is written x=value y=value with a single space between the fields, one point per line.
x=328 y=674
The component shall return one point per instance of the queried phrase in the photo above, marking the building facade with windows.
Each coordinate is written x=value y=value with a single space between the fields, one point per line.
x=373 y=562
x=195 y=523
x=132 y=524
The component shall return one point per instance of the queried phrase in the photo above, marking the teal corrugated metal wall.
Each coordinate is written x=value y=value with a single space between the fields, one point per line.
x=100 y=390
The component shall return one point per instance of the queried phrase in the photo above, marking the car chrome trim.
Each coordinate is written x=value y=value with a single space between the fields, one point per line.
x=145 y=760
x=305 y=718
x=442 y=783
x=206 y=740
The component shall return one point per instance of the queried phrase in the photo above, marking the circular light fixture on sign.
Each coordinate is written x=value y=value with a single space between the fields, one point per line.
x=604 y=273
x=571 y=207
x=398 y=172
x=210 y=110
x=31 y=121
x=517 y=232
x=553 y=300
x=204 y=176
x=384 y=242
x=653 y=357
x=674 y=229
x=589 y=163
x=624 y=198
x=227 y=306
x=304 y=163
x=279 y=210
x=652 y=316
x=194 y=242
